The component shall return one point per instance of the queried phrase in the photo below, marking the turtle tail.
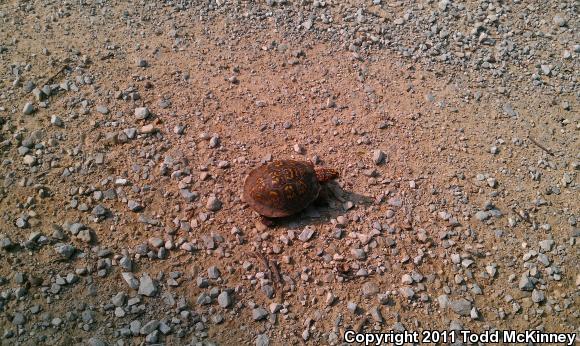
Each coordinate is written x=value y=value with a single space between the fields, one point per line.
x=325 y=175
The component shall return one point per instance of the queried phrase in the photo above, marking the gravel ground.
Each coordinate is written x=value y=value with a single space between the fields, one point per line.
x=128 y=129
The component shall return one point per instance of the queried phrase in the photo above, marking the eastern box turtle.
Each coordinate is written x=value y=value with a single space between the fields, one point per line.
x=285 y=187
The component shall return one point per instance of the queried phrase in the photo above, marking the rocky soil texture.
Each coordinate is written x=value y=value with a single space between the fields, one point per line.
x=127 y=130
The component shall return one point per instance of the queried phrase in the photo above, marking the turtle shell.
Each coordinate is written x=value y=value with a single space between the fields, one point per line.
x=281 y=188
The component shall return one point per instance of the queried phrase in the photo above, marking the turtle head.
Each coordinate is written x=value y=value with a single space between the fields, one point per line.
x=325 y=175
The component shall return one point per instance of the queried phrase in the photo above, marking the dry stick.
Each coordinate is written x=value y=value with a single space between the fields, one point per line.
x=540 y=146
x=54 y=75
x=263 y=259
x=274 y=273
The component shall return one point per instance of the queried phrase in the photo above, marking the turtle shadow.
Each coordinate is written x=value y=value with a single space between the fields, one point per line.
x=334 y=202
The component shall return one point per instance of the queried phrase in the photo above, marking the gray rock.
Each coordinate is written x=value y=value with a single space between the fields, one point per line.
x=213 y=272
x=443 y=5
x=130 y=132
x=152 y=338
x=126 y=263
x=214 y=142
x=509 y=110
x=305 y=335
x=19 y=278
x=546 y=69
x=76 y=227
x=156 y=242
x=21 y=223
x=119 y=312
x=461 y=307
x=6 y=243
x=141 y=113
x=135 y=327
x=99 y=211
x=28 y=108
x=203 y=299
x=378 y=156
x=65 y=250
x=163 y=104
x=224 y=299
x=376 y=314
x=119 y=299
x=262 y=340
x=38 y=94
x=47 y=90
x=542 y=258
x=23 y=150
x=131 y=280
x=352 y=307
x=491 y=270
x=370 y=289
x=299 y=148
x=259 y=313
x=213 y=204
x=134 y=205
x=149 y=327
x=190 y=196
x=559 y=20
x=85 y=235
x=482 y=215
x=94 y=341
x=547 y=245
x=362 y=272
x=202 y=282
x=147 y=286
x=538 y=296
x=18 y=319
x=56 y=121
x=268 y=291
x=443 y=301
x=29 y=160
x=358 y=254
x=407 y=279
x=102 y=109
x=526 y=283
x=407 y=292
x=178 y=129
x=306 y=234
x=417 y=277
x=275 y=307
x=330 y=298
x=164 y=328
x=208 y=242
x=395 y=202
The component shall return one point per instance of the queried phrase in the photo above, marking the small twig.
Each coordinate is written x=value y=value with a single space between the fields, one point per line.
x=540 y=146
x=263 y=259
x=276 y=272
x=55 y=75
x=109 y=55
x=271 y=269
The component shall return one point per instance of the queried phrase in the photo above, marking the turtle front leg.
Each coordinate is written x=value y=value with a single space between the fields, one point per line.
x=323 y=197
x=266 y=221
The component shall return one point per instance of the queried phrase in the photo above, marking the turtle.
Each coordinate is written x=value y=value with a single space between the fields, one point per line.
x=284 y=187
